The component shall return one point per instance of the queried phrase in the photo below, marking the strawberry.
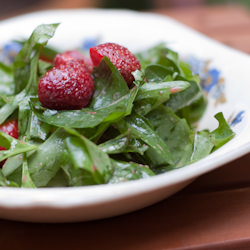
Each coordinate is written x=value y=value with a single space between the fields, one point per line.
x=68 y=87
x=9 y=128
x=63 y=58
x=120 y=56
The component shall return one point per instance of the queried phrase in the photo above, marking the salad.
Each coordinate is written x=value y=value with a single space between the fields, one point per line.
x=70 y=120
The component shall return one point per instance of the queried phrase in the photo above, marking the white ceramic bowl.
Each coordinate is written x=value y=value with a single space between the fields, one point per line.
x=135 y=31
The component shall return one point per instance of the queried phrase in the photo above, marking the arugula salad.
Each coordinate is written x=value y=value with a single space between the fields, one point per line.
x=128 y=130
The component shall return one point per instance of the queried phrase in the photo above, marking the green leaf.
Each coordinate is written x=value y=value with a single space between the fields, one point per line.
x=2 y=101
x=12 y=164
x=151 y=95
x=194 y=111
x=185 y=98
x=21 y=100
x=13 y=146
x=202 y=146
x=23 y=116
x=157 y=73
x=37 y=129
x=4 y=182
x=11 y=105
x=151 y=55
x=59 y=180
x=174 y=131
x=170 y=59
x=45 y=162
x=33 y=128
x=141 y=128
x=161 y=55
x=188 y=73
x=139 y=77
x=110 y=86
x=126 y=171
x=31 y=47
x=7 y=85
x=123 y=144
x=223 y=133
x=92 y=158
x=43 y=67
x=82 y=173
x=48 y=53
x=32 y=84
x=26 y=179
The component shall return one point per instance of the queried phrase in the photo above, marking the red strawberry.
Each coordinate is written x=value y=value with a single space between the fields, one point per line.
x=62 y=59
x=68 y=87
x=9 y=128
x=120 y=56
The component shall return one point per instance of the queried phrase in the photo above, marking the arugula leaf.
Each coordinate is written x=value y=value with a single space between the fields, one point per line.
x=13 y=146
x=2 y=101
x=174 y=131
x=170 y=59
x=161 y=64
x=188 y=73
x=43 y=67
x=59 y=180
x=6 y=183
x=151 y=95
x=123 y=144
x=11 y=105
x=185 y=146
x=141 y=128
x=26 y=179
x=185 y=98
x=7 y=85
x=202 y=146
x=33 y=45
x=46 y=161
x=12 y=164
x=37 y=129
x=223 y=133
x=47 y=52
x=126 y=171
x=33 y=128
x=156 y=90
x=81 y=173
x=110 y=86
x=92 y=158
x=157 y=73
x=194 y=111
x=161 y=55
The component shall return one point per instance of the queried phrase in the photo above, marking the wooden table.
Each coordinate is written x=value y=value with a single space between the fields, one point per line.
x=211 y=213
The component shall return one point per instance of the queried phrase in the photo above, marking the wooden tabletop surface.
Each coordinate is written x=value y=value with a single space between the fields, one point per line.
x=211 y=213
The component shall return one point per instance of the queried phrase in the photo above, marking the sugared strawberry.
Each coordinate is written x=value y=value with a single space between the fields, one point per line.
x=63 y=58
x=68 y=87
x=120 y=56
x=9 y=128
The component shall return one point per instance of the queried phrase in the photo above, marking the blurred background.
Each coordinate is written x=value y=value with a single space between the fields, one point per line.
x=13 y=7
x=227 y=21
